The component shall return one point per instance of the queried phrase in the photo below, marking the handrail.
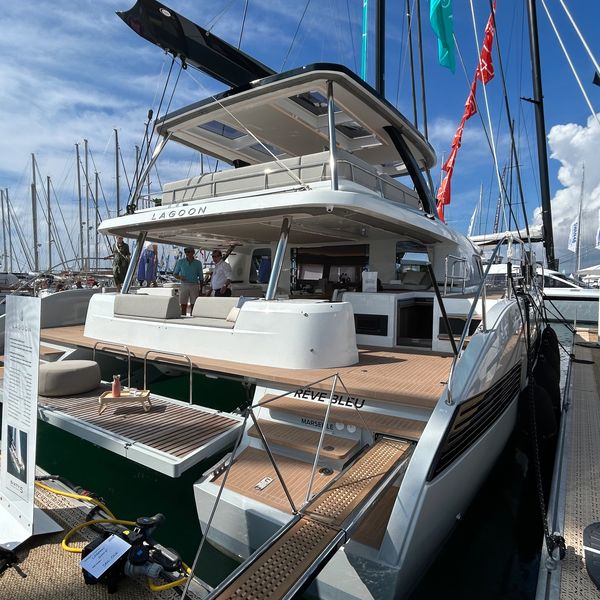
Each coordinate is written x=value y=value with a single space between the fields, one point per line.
x=480 y=292
x=170 y=354
x=111 y=344
x=457 y=259
x=239 y=175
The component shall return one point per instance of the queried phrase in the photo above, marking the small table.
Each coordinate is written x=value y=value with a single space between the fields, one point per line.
x=142 y=396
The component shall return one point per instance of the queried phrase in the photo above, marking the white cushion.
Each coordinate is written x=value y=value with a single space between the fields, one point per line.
x=233 y=314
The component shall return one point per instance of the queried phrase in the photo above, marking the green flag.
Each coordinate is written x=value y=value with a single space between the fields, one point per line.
x=442 y=22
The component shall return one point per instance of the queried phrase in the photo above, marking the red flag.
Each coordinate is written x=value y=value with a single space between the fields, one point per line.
x=471 y=104
x=485 y=69
x=484 y=72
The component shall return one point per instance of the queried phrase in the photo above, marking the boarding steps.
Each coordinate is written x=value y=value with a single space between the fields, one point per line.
x=376 y=422
x=286 y=562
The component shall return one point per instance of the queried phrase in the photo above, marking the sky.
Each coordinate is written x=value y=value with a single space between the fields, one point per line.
x=72 y=70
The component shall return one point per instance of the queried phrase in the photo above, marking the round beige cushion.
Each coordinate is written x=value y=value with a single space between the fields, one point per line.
x=68 y=377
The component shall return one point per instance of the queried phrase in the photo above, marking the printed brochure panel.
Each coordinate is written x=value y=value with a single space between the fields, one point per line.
x=19 y=407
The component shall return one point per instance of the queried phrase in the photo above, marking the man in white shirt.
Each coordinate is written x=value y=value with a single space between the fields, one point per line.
x=221 y=275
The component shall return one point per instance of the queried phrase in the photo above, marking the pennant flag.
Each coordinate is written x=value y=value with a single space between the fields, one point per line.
x=596 y=78
x=598 y=232
x=485 y=69
x=483 y=73
x=573 y=236
x=442 y=23
x=443 y=194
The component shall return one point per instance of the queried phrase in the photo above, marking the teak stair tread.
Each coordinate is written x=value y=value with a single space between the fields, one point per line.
x=304 y=440
x=299 y=549
x=376 y=422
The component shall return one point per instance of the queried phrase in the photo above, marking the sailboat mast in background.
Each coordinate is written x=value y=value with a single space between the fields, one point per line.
x=540 y=127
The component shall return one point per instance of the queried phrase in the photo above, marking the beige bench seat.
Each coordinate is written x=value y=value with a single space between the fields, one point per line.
x=289 y=172
x=140 y=306
x=214 y=312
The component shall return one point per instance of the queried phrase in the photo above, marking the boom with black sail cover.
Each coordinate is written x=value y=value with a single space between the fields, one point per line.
x=194 y=45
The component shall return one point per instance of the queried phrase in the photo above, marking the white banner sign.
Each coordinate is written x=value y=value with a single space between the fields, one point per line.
x=573 y=236
x=19 y=413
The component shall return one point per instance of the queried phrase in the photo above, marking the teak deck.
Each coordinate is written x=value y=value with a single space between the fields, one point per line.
x=282 y=565
x=411 y=378
x=170 y=437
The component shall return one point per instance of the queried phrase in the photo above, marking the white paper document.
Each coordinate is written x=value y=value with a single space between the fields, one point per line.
x=106 y=554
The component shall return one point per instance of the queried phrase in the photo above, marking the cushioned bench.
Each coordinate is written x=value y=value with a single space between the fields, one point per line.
x=308 y=169
x=147 y=307
x=214 y=312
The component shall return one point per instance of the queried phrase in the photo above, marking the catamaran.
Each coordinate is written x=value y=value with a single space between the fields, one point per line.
x=383 y=378
x=371 y=425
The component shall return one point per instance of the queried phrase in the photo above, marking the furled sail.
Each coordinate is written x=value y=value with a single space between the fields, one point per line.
x=196 y=46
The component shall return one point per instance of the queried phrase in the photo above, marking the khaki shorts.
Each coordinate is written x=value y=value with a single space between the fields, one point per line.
x=188 y=292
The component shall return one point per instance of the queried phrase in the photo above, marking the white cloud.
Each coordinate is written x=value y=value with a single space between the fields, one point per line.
x=575 y=146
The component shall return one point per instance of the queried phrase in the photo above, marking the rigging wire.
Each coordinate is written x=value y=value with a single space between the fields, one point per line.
x=295 y=35
x=412 y=65
x=401 y=63
x=243 y=23
x=558 y=37
x=487 y=108
x=510 y=125
x=351 y=36
x=218 y=16
x=587 y=48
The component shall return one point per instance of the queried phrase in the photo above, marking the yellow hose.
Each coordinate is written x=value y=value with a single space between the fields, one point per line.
x=77 y=496
x=65 y=546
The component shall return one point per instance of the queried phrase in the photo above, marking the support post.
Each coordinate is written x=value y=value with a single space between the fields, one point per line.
x=278 y=260
x=134 y=262
x=331 y=123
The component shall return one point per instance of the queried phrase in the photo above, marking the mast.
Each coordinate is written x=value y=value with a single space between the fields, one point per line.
x=118 y=191
x=540 y=126
x=36 y=263
x=365 y=28
x=97 y=186
x=4 y=255
x=49 y=224
x=10 y=254
x=579 y=224
x=380 y=47
x=87 y=204
x=81 y=264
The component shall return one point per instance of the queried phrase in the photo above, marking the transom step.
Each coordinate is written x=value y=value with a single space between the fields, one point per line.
x=304 y=440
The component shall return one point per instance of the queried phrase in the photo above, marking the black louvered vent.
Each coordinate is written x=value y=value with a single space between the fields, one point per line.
x=474 y=417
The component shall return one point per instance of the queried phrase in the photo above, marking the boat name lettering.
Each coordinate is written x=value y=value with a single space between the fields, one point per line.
x=20 y=488
x=340 y=399
x=181 y=212
x=313 y=423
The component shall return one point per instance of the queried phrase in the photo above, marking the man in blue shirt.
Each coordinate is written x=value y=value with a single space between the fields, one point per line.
x=189 y=271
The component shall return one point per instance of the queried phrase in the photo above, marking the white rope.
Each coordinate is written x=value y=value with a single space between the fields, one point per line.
x=489 y=118
x=587 y=100
x=597 y=67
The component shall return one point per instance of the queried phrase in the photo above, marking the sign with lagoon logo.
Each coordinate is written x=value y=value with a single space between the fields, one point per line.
x=19 y=422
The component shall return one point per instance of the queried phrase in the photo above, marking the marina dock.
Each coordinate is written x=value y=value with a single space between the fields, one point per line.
x=575 y=498
x=47 y=572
